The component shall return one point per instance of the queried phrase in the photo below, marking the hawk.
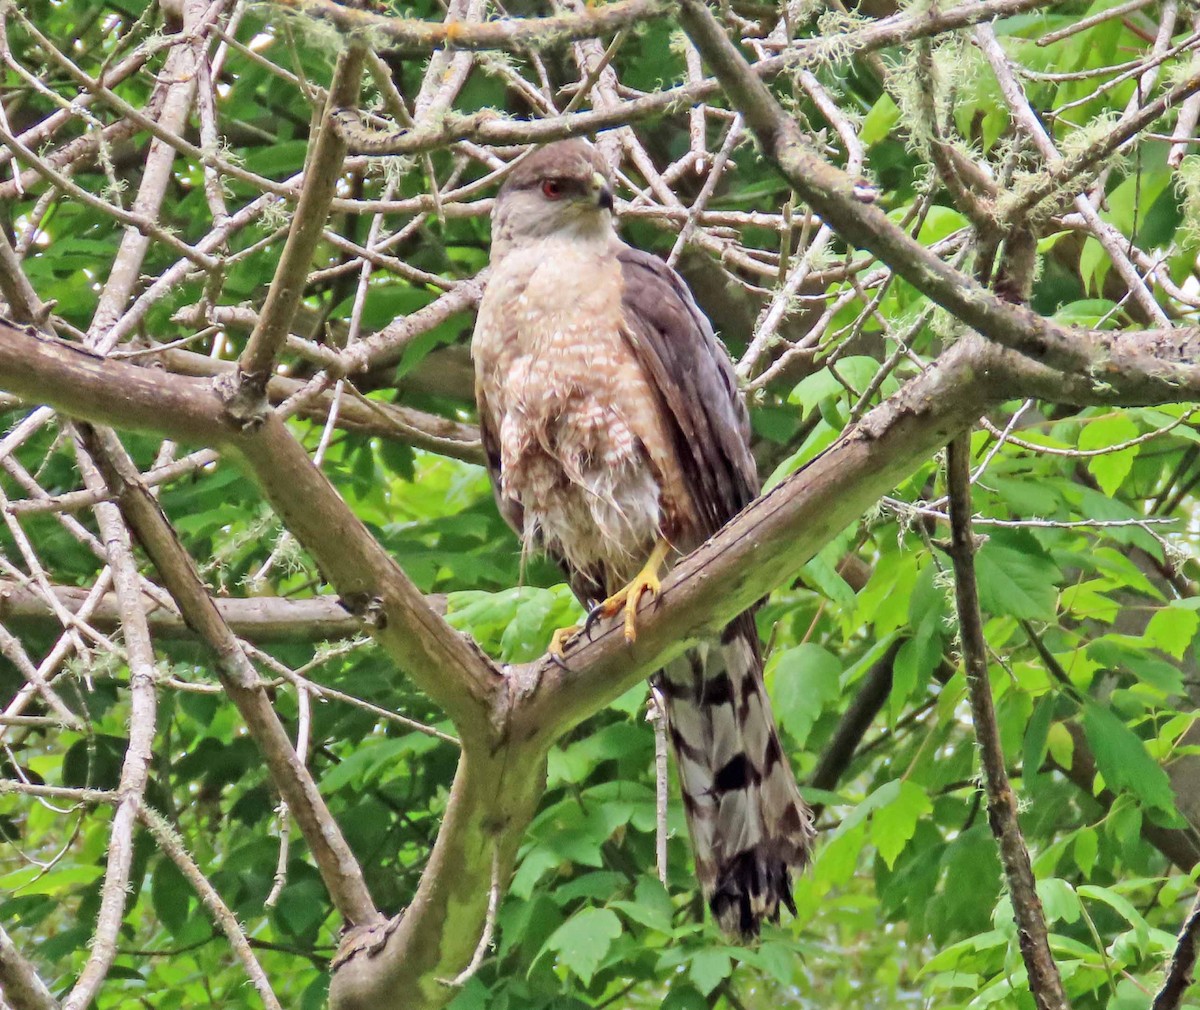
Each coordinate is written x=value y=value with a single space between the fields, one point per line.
x=616 y=439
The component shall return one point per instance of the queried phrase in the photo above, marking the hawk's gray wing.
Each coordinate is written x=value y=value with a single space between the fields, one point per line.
x=693 y=375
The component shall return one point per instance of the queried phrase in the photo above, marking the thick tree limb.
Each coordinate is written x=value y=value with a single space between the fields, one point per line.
x=94 y=388
x=492 y=800
x=768 y=542
x=1045 y=983
x=448 y=666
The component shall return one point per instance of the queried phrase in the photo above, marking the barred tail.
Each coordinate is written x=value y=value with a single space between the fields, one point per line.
x=748 y=823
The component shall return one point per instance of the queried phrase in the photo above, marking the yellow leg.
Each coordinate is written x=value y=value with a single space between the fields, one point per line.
x=627 y=599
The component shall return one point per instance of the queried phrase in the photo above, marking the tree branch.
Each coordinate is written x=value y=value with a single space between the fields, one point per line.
x=440 y=661
x=486 y=127
x=221 y=914
x=765 y=545
x=492 y=800
x=507 y=724
x=369 y=417
x=321 y=174
x=1096 y=357
x=19 y=982
x=412 y=37
x=1183 y=961
x=259 y=619
x=135 y=766
x=339 y=869
x=1044 y=981
x=1179 y=845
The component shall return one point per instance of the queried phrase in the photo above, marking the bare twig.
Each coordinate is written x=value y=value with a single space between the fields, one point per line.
x=183 y=70
x=836 y=198
x=1083 y=24
x=173 y=846
x=658 y=719
x=509 y=33
x=135 y=768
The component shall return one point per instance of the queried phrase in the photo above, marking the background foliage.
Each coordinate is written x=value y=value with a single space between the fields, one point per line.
x=1087 y=571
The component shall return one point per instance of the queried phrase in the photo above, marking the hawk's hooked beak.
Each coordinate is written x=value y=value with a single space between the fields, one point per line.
x=603 y=191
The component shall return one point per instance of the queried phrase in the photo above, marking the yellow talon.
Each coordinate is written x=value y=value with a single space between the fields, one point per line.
x=559 y=639
x=645 y=582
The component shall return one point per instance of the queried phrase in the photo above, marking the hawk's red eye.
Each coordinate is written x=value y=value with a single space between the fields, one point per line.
x=552 y=189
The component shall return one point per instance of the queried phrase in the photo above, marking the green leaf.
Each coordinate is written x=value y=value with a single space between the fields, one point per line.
x=838 y=859
x=1130 y=996
x=820 y=439
x=916 y=659
x=1085 y=600
x=62 y=881
x=1087 y=846
x=1059 y=900
x=893 y=825
x=1122 y=759
x=1016 y=578
x=1094 y=264
x=709 y=969
x=802 y=681
x=823 y=386
x=1087 y=312
x=170 y=894
x=1127 y=654
x=779 y=959
x=1173 y=629
x=1111 y=468
x=651 y=905
x=878 y=123
x=1121 y=905
x=616 y=740
x=1037 y=734
x=684 y=997
x=584 y=939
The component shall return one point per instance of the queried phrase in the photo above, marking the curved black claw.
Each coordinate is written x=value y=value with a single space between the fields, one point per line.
x=593 y=616
x=558 y=661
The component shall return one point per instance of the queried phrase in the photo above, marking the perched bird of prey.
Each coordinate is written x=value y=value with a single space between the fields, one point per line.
x=616 y=439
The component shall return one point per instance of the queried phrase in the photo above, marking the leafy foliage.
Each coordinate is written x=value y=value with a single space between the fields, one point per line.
x=1089 y=597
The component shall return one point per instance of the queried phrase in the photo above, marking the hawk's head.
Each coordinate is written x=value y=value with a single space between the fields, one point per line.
x=562 y=188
